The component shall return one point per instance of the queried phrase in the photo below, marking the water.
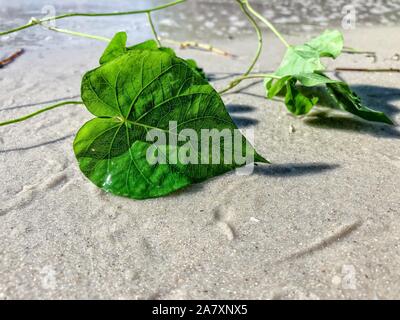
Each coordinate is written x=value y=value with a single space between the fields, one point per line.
x=195 y=19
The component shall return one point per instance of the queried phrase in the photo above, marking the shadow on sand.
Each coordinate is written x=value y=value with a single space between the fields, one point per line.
x=293 y=169
x=38 y=145
x=376 y=97
x=328 y=117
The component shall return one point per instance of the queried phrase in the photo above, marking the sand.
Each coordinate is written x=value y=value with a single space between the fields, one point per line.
x=321 y=222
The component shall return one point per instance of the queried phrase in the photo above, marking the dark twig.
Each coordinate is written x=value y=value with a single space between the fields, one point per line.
x=11 y=58
x=368 y=70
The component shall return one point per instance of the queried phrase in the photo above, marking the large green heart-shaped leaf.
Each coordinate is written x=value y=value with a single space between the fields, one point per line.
x=142 y=91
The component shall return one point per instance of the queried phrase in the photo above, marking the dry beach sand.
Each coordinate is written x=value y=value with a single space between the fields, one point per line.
x=321 y=222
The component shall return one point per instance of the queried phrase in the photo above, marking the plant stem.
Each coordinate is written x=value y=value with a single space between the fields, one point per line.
x=79 y=34
x=153 y=29
x=34 y=22
x=235 y=82
x=265 y=21
x=39 y=112
x=259 y=36
x=355 y=51
x=368 y=70
x=183 y=45
x=197 y=45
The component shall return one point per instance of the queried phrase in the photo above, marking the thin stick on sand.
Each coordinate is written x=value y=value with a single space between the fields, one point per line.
x=368 y=70
x=11 y=58
x=197 y=45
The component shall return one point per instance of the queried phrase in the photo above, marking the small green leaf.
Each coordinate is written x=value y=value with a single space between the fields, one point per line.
x=348 y=101
x=306 y=58
x=303 y=63
x=313 y=79
x=275 y=87
x=299 y=59
x=141 y=91
x=329 y=44
x=296 y=102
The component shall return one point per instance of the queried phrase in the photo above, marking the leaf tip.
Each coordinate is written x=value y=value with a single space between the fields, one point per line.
x=260 y=159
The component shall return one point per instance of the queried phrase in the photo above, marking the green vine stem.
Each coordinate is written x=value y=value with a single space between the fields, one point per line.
x=259 y=36
x=235 y=82
x=248 y=10
x=253 y=22
x=35 y=22
x=265 y=21
x=153 y=29
x=182 y=45
x=57 y=105
x=79 y=34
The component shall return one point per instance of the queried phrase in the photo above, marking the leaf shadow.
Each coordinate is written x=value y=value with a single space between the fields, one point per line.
x=217 y=76
x=293 y=169
x=41 y=144
x=381 y=98
x=329 y=117
x=244 y=122
x=239 y=114
x=243 y=90
x=39 y=103
x=240 y=108
x=376 y=97
x=189 y=190
x=326 y=119
x=272 y=170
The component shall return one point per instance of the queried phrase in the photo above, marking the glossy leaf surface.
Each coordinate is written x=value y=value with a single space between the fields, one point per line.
x=142 y=90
